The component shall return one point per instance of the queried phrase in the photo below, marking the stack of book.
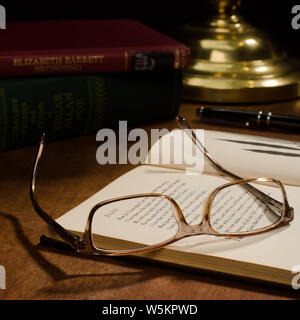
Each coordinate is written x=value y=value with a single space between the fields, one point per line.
x=70 y=78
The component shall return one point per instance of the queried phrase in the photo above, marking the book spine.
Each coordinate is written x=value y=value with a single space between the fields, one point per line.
x=96 y=61
x=70 y=106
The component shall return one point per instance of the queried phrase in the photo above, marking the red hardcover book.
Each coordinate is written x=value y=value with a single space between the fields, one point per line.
x=86 y=46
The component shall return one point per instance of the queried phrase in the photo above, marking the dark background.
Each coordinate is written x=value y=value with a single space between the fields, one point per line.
x=272 y=16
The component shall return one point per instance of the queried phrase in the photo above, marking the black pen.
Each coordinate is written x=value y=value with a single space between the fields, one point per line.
x=249 y=119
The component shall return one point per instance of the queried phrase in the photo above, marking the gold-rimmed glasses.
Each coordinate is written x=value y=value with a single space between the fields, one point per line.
x=223 y=212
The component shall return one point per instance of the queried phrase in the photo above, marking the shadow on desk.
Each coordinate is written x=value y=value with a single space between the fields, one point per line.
x=58 y=276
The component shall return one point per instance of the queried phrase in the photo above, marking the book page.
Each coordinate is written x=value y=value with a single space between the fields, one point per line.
x=245 y=155
x=277 y=248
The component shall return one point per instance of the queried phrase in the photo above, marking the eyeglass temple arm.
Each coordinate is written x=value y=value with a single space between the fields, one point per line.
x=271 y=203
x=72 y=239
x=183 y=124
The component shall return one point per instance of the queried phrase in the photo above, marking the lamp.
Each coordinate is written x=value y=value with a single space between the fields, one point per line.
x=234 y=62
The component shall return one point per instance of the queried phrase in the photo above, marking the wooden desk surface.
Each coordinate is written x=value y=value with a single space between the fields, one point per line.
x=69 y=175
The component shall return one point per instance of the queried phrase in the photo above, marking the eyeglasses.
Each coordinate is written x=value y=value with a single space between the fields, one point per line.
x=239 y=208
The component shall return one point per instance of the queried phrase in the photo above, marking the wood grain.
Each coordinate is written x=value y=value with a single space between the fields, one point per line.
x=69 y=175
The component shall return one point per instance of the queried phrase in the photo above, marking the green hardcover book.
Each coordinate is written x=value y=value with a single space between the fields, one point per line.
x=70 y=106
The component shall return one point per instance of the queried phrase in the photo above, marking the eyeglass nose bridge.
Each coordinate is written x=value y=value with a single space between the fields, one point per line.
x=199 y=229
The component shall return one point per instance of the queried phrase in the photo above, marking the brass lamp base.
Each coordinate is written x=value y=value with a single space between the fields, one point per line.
x=233 y=62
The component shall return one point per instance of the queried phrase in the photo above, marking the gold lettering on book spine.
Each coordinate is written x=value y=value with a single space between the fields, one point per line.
x=83 y=59
x=57 y=64
x=183 y=59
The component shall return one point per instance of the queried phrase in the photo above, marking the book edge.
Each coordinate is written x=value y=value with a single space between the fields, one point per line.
x=208 y=263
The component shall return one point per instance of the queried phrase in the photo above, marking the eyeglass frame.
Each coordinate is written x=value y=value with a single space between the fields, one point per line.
x=86 y=245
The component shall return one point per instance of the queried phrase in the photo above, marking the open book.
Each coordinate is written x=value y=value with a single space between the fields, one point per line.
x=247 y=156
x=271 y=256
